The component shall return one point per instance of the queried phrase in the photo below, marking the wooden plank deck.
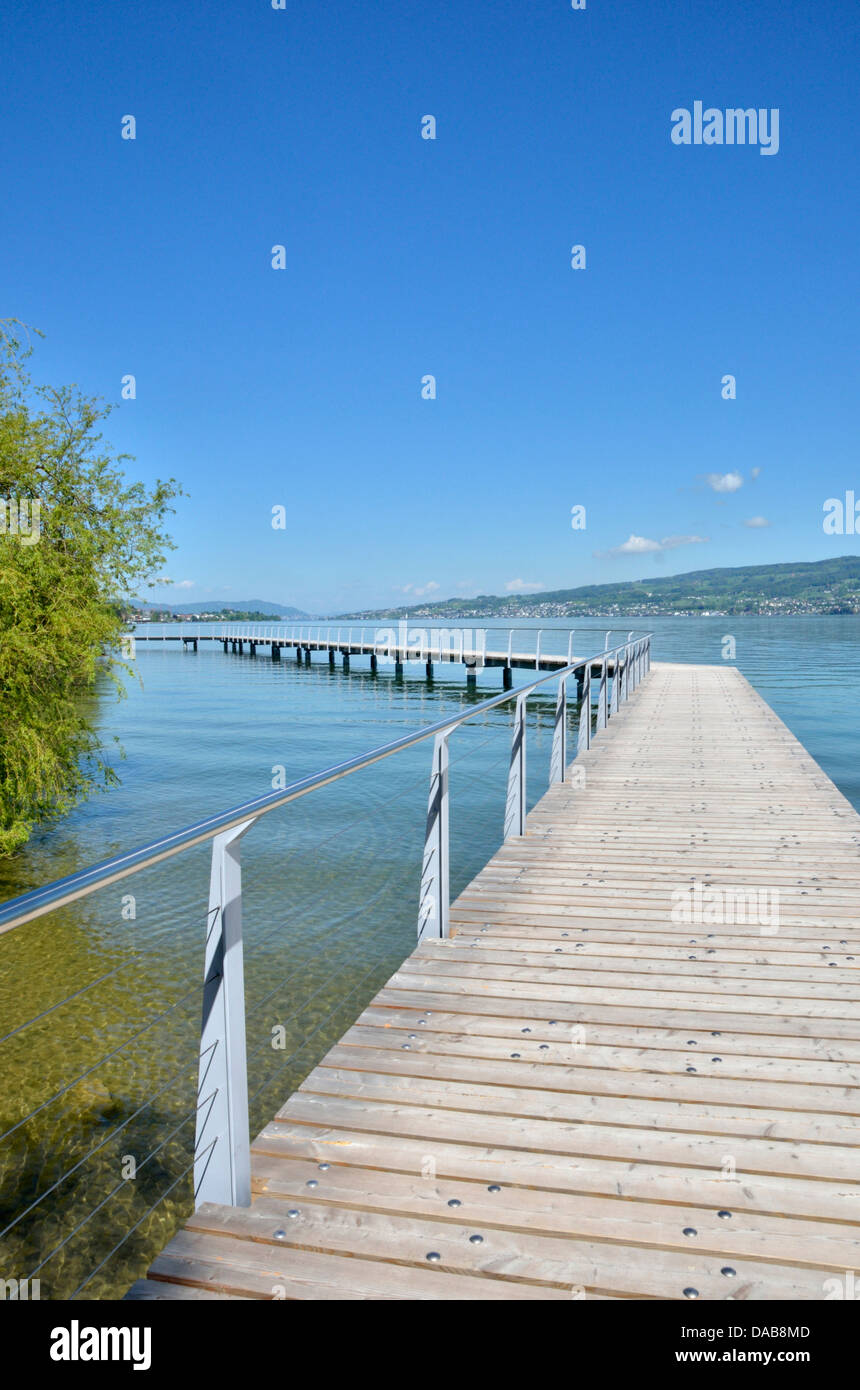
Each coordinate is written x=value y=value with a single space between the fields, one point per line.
x=581 y=1094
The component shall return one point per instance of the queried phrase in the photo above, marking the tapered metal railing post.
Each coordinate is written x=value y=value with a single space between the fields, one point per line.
x=615 y=694
x=602 y=700
x=434 y=897
x=222 y=1150
x=515 y=804
x=558 y=756
x=583 y=736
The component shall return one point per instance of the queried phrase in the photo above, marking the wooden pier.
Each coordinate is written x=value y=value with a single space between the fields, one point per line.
x=430 y=648
x=632 y=1071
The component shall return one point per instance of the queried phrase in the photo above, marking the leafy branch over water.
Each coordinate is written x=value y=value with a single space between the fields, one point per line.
x=77 y=540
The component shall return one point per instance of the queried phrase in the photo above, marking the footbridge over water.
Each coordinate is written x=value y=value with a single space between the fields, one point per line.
x=624 y=1063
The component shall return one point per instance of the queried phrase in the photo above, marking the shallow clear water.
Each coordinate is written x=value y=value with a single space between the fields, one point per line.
x=330 y=903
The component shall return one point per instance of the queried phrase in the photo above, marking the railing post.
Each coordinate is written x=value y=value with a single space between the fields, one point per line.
x=570 y=646
x=558 y=756
x=537 y=649
x=222 y=1149
x=515 y=804
x=602 y=705
x=434 y=897
x=583 y=734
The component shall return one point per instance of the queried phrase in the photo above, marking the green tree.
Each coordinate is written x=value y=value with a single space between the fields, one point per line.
x=77 y=540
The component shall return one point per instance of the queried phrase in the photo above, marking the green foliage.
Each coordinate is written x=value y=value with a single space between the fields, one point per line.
x=60 y=624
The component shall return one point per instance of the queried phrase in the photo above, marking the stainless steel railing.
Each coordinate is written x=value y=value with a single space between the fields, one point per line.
x=222 y=1149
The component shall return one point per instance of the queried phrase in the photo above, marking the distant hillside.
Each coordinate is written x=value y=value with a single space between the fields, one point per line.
x=250 y=605
x=819 y=586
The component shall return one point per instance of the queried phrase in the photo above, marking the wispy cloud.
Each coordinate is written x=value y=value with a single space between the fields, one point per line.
x=523 y=586
x=418 y=590
x=641 y=545
x=724 y=482
x=757 y=521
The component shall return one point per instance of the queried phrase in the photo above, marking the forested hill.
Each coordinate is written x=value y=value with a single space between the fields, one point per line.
x=822 y=586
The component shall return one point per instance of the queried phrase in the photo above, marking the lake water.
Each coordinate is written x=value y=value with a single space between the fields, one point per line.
x=100 y=1012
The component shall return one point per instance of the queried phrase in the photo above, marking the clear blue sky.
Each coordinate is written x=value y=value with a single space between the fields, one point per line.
x=407 y=257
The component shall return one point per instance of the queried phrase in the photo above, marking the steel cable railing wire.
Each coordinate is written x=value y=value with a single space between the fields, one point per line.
x=120 y=1243
x=339 y=1004
x=132 y=960
x=195 y=991
x=348 y=918
x=326 y=984
x=119 y=1186
x=107 y=1139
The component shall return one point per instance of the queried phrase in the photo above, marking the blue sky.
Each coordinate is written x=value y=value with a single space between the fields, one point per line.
x=407 y=257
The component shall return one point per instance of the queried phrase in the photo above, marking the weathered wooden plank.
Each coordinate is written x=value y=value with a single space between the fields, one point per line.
x=514 y=1259
x=753 y=1235
x=378 y=1143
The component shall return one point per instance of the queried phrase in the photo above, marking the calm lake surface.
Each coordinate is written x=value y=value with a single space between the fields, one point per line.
x=100 y=1010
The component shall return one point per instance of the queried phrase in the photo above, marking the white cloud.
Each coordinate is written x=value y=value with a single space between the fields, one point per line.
x=724 y=482
x=184 y=584
x=756 y=521
x=417 y=591
x=637 y=545
x=522 y=586
x=641 y=545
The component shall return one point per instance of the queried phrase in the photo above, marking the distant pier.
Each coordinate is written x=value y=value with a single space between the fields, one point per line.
x=436 y=646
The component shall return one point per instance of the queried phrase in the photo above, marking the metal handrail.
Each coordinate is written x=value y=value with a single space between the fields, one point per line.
x=222 y=1163
x=27 y=906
